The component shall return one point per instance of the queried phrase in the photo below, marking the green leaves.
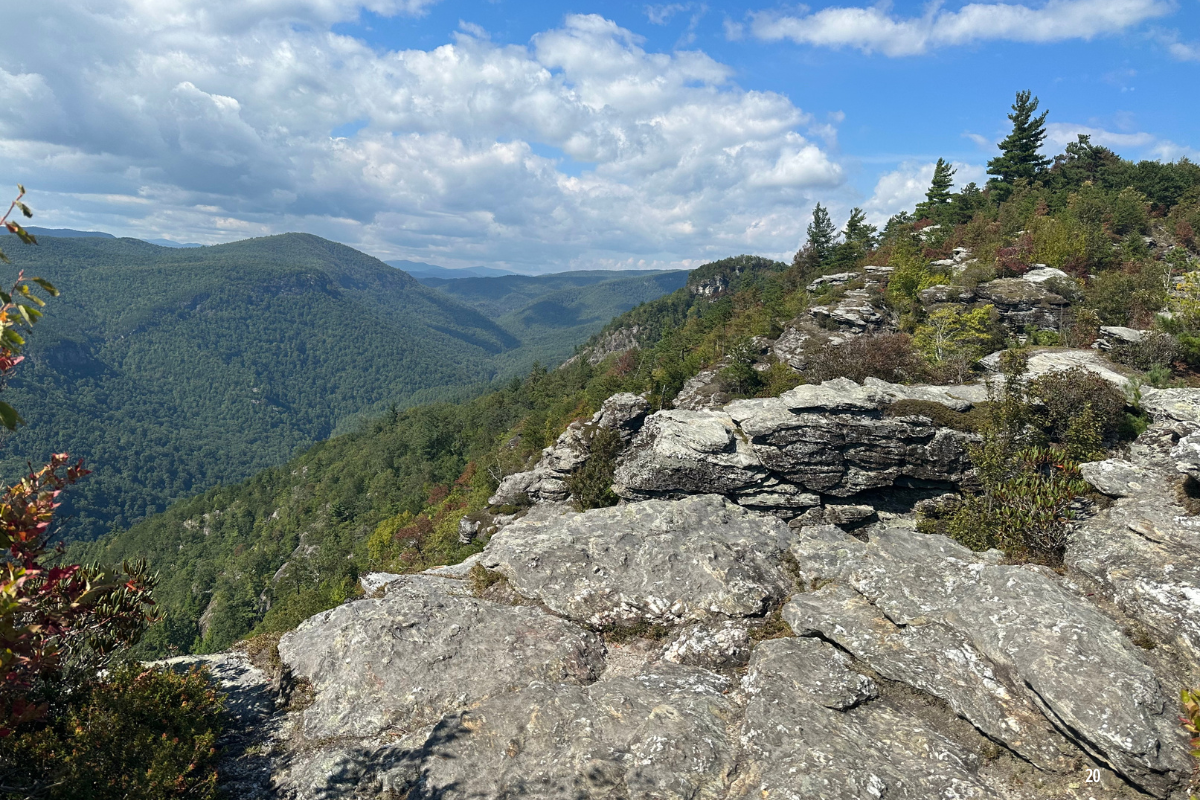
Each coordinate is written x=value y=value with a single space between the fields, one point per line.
x=9 y=416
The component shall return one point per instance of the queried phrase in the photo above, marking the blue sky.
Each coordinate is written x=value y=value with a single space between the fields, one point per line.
x=549 y=136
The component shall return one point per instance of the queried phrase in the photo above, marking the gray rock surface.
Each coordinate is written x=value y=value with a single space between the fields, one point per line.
x=661 y=732
x=784 y=454
x=800 y=741
x=958 y=625
x=1116 y=477
x=656 y=562
x=404 y=660
x=908 y=667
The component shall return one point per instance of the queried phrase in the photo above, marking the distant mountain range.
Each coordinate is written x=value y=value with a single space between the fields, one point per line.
x=421 y=270
x=171 y=370
x=69 y=233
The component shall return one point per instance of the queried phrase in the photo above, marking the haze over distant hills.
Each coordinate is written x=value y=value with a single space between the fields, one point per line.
x=172 y=369
x=419 y=269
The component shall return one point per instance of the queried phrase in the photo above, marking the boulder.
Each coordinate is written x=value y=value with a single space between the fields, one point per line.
x=655 y=562
x=942 y=293
x=827 y=439
x=964 y=628
x=402 y=661
x=703 y=390
x=1022 y=302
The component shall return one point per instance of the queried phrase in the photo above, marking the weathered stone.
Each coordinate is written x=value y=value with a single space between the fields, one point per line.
x=547 y=481
x=1040 y=273
x=1042 y=362
x=661 y=733
x=836 y=279
x=704 y=390
x=1115 y=477
x=1140 y=554
x=687 y=452
x=468 y=529
x=904 y=601
x=956 y=398
x=801 y=742
x=653 y=562
x=1187 y=455
x=827 y=439
x=712 y=645
x=942 y=293
x=404 y=660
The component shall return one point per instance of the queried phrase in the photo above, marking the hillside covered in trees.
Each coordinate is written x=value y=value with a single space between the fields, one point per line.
x=1070 y=251
x=172 y=370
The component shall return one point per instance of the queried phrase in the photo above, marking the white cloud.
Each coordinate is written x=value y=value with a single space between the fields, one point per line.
x=1060 y=134
x=874 y=29
x=163 y=118
x=904 y=187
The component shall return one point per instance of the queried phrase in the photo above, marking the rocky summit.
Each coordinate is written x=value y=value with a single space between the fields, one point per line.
x=758 y=618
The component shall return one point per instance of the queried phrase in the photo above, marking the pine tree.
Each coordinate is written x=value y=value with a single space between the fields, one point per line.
x=939 y=188
x=858 y=237
x=821 y=234
x=1019 y=156
x=859 y=231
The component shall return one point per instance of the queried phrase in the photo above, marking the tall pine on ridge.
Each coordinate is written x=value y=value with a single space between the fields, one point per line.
x=1019 y=156
x=938 y=196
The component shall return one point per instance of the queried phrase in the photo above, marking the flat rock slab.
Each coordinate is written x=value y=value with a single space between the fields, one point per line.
x=1116 y=477
x=427 y=648
x=1002 y=644
x=658 y=562
x=809 y=732
x=661 y=734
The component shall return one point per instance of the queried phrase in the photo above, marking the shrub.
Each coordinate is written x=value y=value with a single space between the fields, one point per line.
x=1155 y=350
x=1027 y=513
x=1075 y=399
x=1024 y=506
x=1085 y=329
x=888 y=357
x=590 y=485
x=1191 y=724
x=138 y=732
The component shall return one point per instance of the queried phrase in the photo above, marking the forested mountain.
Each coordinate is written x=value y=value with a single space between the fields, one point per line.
x=551 y=314
x=958 y=277
x=171 y=370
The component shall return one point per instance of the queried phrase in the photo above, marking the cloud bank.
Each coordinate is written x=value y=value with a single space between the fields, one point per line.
x=873 y=29
x=206 y=121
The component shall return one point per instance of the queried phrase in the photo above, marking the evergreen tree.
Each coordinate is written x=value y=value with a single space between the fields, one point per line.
x=859 y=231
x=858 y=237
x=938 y=195
x=821 y=234
x=1019 y=156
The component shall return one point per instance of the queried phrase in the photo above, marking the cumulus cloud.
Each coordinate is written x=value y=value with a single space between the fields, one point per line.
x=160 y=118
x=875 y=29
x=902 y=188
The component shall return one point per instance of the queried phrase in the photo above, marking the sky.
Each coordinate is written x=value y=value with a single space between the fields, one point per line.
x=543 y=137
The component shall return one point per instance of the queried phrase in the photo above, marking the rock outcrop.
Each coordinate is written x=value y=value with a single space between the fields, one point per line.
x=547 y=481
x=790 y=453
x=690 y=643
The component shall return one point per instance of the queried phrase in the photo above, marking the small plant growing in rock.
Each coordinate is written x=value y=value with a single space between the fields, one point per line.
x=1191 y=724
x=1027 y=488
x=591 y=484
